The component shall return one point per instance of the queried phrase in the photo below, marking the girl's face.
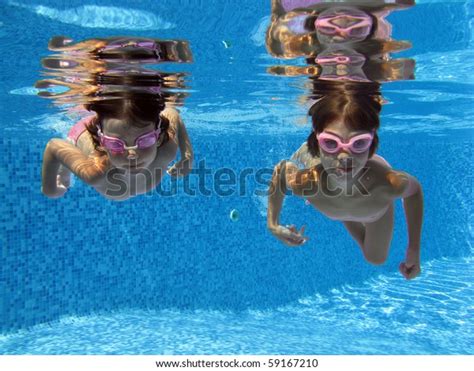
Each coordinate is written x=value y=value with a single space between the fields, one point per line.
x=130 y=159
x=343 y=164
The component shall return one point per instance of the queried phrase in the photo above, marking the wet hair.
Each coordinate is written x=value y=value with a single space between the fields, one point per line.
x=136 y=108
x=357 y=104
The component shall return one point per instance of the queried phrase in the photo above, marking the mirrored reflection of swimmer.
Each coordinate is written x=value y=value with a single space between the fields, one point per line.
x=136 y=49
x=346 y=180
x=339 y=41
x=307 y=28
x=131 y=133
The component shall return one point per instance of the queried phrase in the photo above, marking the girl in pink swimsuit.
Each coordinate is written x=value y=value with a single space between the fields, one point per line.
x=122 y=151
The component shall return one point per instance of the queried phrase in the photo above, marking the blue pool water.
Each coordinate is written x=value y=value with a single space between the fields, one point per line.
x=175 y=275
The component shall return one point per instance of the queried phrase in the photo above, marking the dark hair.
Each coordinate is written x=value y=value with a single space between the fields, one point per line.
x=357 y=104
x=136 y=108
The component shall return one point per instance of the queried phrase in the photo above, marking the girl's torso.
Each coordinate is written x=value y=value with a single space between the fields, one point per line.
x=365 y=202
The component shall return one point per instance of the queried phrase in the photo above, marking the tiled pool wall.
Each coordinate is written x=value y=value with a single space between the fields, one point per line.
x=83 y=253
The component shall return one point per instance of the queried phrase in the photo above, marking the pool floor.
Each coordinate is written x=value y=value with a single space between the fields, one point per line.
x=385 y=315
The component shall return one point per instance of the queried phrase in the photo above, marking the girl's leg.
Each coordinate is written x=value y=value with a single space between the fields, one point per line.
x=374 y=238
x=357 y=231
x=378 y=236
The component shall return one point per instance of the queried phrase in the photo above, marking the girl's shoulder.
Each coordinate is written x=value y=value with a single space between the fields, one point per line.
x=303 y=158
x=302 y=182
x=399 y=181
x=172 y=114
x=86 y=144
x=379 y=161
x=394 y=182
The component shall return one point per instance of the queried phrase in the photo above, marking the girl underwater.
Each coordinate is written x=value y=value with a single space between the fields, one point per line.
x=122 y=151
x=345 y=180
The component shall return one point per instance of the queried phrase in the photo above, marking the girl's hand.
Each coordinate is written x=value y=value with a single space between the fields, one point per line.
x=289 y=235
x=410 y=268
x=56 y=193
x=180 y=168
x=60 y=189
x=63 y=179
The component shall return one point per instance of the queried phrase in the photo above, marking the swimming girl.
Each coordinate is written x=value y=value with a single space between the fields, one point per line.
x=122 y=150
x=345 y=180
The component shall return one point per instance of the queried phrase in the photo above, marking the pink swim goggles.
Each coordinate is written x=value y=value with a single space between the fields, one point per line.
x=331 y=143
x=361 y=28
x=118 y=146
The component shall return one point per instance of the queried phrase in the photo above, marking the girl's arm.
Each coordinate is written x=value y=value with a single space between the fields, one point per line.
x=185 y=147
x=409 y=189
x=283 y=174
x=60 y=152
x=185 y=164
x=276 y=195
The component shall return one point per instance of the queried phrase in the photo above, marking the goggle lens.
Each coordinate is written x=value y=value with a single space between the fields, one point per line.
x=146 y=141
x=329 y=145
x=113 y=145
x=359 y=31
x=361 y=145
